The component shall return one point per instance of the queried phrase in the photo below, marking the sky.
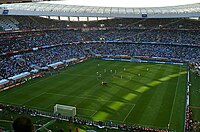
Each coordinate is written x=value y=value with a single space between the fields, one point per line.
x=125 y=3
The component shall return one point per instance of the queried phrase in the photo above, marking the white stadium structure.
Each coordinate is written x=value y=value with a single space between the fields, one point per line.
x=81 y=9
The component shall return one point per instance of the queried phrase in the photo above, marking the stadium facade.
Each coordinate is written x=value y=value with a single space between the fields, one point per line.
x=50 y=9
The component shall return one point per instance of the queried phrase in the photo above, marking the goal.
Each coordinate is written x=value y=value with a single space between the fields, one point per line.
x=65 y=110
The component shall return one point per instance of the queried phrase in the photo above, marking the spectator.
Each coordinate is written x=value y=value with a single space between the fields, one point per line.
x=23 y=124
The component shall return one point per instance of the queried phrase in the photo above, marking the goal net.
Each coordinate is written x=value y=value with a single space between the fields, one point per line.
x=65 y=110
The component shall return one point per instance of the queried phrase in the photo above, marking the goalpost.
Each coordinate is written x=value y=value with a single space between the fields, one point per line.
x=65 y=110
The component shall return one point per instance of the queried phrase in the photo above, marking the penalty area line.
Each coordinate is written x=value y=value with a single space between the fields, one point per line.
x=128 y=113
x=33 y=98
x=93 y=113
x=195 y=107
x=86 y=109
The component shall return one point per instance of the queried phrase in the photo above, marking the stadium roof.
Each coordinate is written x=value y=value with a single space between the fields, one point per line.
x=86 y=8
x=124 y=3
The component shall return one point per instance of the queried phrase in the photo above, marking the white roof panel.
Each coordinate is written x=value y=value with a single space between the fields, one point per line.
x=80 y=10
x=124 y=3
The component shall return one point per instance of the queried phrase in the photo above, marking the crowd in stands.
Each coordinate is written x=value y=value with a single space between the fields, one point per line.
x=188 y=121
x=170 y=36
x=27 y=40
x=167 y=43
x=16 y=64
x=103 y=125
x=151 y=50
x=20 y=41
x=171 y=31
x=191 y=125
x=10 y=66
x=21 y=63
x=195 y=66
x=8 y=23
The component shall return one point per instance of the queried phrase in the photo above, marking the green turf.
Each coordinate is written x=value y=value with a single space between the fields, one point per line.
x=156 y=98
x=195 y=96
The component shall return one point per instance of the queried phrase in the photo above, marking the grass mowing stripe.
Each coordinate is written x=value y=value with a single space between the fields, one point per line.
x=89 y=98
x=86 y=109
x=69 y=95
x=194 y=96
x=166 y=98
x=177 y=122
x=148 y=98
x=79 y=75
x=23 y=86
x=174 y=99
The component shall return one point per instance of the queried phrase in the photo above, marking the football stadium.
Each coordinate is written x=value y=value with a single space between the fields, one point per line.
x=97 y=66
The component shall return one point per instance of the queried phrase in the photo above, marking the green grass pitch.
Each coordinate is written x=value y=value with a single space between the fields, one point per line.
x=195 y=96
x=136 y=93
